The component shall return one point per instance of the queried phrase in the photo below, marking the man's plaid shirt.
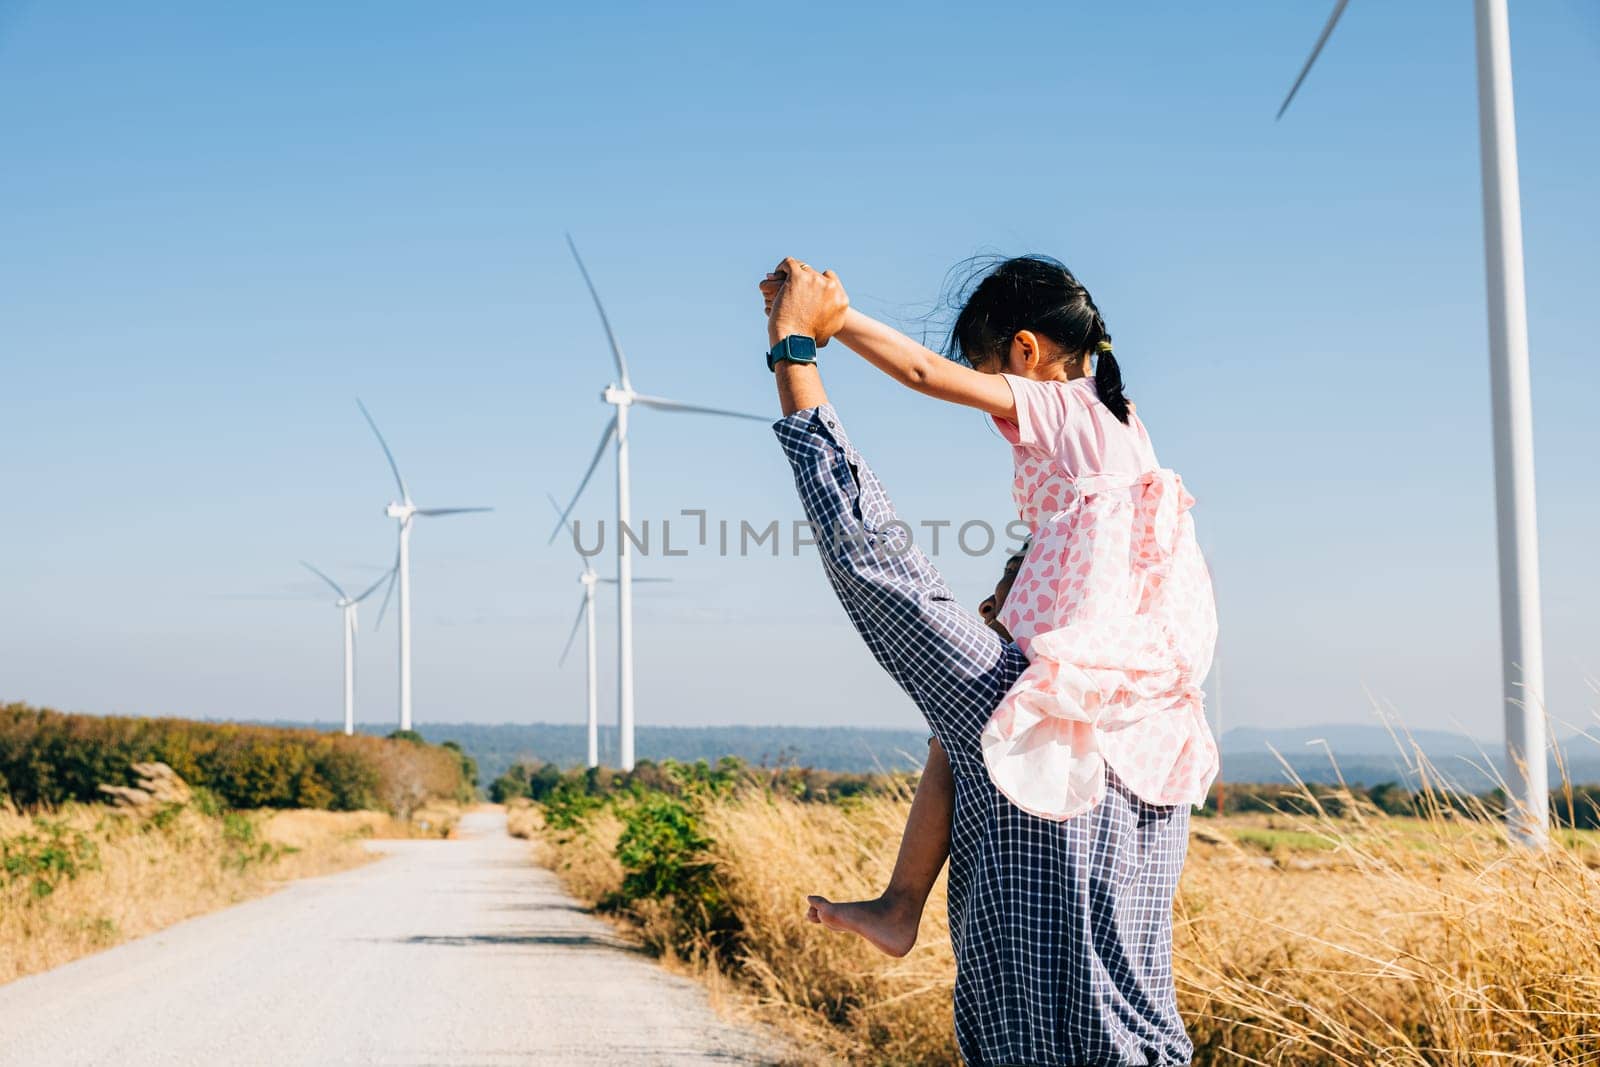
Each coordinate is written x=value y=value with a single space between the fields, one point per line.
x=1062 y=930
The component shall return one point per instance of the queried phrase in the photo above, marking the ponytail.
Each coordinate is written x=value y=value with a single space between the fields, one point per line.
x=1108 y=381
x=1038 y=294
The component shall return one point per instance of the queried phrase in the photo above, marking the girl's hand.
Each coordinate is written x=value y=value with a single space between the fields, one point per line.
x=801 y=301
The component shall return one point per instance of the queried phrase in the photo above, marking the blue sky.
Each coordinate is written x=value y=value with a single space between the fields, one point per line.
x=220 y=224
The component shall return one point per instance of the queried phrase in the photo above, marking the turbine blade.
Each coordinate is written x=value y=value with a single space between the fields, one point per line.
x=405 y=493
x=450 y=511
x=573 y=636
x=616 y=349
x=677 y=405
x=394 y=577
x=324 y=577
x=373 y=588
x=613 y=581
x=599 y=453
x=1333 y=20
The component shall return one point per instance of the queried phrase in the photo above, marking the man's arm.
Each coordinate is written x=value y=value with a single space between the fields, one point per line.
x=954 y=667
x=799 y=387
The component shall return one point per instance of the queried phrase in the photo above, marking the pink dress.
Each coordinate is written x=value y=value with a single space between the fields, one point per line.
x=1113 y=608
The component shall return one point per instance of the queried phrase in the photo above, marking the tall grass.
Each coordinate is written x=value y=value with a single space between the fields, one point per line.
x=1409 y=941
x=1355 y=938
x=85 y=877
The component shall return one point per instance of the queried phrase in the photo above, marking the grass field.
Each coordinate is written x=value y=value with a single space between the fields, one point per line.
x=1299 y=940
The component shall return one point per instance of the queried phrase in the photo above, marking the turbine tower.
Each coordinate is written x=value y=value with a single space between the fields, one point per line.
x=1521 y=640
x=589 y=579
x=586 y=614
x=347 y=604
x=403 y=512
x=620 y=395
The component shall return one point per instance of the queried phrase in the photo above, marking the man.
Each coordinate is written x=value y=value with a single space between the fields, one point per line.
x=1062 y=930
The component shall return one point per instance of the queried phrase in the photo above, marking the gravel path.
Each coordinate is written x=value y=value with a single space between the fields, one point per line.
x=446 y=952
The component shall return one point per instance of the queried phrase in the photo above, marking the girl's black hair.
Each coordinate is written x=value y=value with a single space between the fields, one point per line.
x=1038 y=294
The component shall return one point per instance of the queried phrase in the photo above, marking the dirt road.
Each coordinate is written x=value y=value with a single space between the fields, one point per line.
x=444 y=952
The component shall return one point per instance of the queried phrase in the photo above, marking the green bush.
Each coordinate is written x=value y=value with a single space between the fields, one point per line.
x=509 y=786
x=469 y=772
x=567 y=806
x=52 y=854
x=663 y=848
x=531 y=779
x=48 y=758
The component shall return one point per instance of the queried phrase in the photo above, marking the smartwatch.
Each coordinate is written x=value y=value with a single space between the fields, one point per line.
x=795 y=348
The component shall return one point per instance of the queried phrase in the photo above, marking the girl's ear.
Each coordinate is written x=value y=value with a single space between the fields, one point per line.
x=1025 y=354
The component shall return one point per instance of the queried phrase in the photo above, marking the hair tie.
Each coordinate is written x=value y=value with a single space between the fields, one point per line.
x=1103 y=346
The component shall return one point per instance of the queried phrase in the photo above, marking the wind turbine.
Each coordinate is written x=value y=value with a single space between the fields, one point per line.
x=620 y=395
x=589 y=579
x=1521 y=640
x=403 y=512
x=586 y=614
x=348 y=604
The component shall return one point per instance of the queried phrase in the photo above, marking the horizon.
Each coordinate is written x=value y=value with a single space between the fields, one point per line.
x=1375 y=728
x=223 y=228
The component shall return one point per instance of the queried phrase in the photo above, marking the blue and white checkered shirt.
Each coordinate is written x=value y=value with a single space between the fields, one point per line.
x=1062 y=930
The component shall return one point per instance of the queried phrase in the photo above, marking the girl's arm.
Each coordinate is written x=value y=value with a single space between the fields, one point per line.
x=923 y=369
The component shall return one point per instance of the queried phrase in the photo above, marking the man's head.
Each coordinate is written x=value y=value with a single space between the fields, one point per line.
x=989 y=610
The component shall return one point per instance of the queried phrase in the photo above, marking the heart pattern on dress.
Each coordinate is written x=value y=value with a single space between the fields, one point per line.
x=1114 y=609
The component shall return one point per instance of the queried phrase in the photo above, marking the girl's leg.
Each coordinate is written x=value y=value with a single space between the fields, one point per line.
x=890 y=921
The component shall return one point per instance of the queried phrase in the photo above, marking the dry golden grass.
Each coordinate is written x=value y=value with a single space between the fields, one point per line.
x=436 y=818
x=137 y=873
x=1403 y=941
x=1298 y=940
x=523 y=818
x=302 y=828
x=835 y=994
x=584 y=857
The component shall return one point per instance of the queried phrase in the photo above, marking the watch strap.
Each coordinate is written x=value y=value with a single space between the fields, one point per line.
x=795 y=348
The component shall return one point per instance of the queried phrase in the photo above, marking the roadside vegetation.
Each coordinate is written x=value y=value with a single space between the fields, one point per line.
x=103 y=837
x=48 y=758
x=1318 y=926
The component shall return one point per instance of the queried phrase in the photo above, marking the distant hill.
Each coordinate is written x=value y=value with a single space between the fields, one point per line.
x=1369 y=754
x=831 y=748
x=1365 y=754
x=835 y=748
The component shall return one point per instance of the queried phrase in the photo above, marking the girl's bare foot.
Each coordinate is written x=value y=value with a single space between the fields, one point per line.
x=889 y=923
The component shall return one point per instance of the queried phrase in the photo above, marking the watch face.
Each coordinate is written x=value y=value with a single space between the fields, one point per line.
x=793 y=349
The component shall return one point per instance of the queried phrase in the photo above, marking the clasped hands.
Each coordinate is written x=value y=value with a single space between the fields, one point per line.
x=801 y=300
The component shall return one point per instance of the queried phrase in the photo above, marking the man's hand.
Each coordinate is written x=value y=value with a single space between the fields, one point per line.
x=801 y=301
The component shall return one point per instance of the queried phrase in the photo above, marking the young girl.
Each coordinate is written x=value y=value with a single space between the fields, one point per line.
x=1112 y=603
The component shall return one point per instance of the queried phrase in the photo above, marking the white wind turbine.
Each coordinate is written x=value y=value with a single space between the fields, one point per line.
x=1521 y=640
x=347 y=604
x=620 y=395
x=586 y=614
x=403 y=512
x=589 y=579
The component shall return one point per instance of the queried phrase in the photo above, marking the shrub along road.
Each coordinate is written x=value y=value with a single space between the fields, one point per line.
x=445 y=952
